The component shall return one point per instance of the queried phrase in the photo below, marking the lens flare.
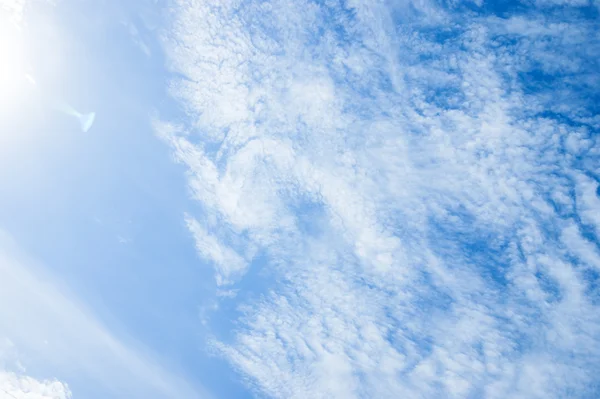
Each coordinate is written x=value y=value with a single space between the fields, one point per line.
x=85 y=120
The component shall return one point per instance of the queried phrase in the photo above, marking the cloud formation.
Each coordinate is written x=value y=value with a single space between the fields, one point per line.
x=15 y=383
x=421 y=178
x=17 y=386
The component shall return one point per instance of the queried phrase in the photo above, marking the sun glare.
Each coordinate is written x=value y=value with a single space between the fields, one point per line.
x=13 y=74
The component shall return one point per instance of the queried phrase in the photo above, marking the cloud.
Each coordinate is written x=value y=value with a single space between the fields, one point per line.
x=15 y=383
x=227 y=262
x=24 y=387
x=136 y=37
x=57 y=334
x=419 y=178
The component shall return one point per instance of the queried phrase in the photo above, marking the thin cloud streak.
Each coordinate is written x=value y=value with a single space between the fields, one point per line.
x=54 y=331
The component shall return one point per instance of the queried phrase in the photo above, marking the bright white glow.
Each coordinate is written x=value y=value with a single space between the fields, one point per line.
x=13 y=81
x=86 y=121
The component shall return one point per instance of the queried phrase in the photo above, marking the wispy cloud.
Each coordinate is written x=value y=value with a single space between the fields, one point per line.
x=13 y=385
x=58 y=335
x=421 y=179
x=227 y=262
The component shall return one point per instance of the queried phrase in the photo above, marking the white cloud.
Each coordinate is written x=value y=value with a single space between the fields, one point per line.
x=571 y=3
x=446 y=259
x=24 y=387
x=15 y=383
x=588 y=201
x=227 y=262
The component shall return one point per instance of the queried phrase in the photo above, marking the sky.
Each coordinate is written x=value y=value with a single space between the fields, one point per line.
x=299 y=199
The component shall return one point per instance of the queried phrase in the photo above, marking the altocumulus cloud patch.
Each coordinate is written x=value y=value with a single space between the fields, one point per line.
x=449 y=155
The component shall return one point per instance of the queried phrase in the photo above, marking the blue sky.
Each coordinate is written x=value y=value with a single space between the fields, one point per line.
x=337 y=199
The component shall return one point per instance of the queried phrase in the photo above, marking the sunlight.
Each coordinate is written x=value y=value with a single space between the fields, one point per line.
x=13 y=79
